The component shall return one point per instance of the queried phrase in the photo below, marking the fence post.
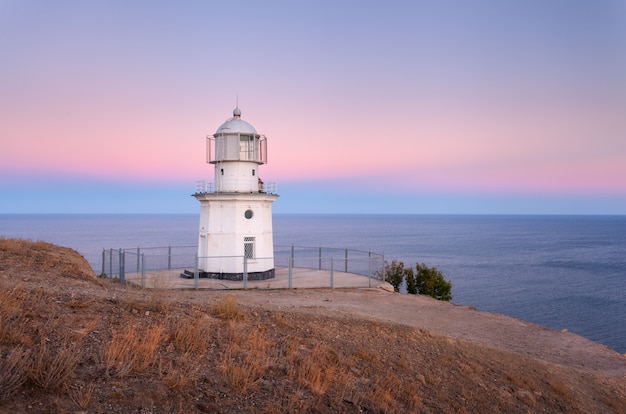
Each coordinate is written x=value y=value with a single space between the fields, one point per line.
x=111 y=261
x=320 y=265
x=332 y=286
x=196 y=274
x=143 y=269
x=292 y=253
x=103 y=258
x=169 y=257
x=290 y=270
x=346 y=265
x=122 y=265
x=369 y=268
x=245 y=272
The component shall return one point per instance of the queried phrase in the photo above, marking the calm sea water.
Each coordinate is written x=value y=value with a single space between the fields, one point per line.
x=562 y=272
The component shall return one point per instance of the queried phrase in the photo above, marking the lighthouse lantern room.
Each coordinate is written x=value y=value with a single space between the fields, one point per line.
x=236 y=209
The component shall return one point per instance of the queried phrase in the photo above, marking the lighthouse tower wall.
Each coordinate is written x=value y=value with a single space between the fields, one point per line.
x=236 y=177
x=234 y=226
x=235 y=229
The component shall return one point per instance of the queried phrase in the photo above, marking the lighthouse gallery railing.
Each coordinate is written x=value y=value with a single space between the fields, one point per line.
x=206 y=187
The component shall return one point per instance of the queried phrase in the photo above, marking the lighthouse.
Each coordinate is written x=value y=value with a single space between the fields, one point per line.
x=235 y=230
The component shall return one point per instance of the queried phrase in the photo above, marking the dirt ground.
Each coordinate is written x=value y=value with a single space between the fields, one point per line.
x=453 y=321
x=299 y=350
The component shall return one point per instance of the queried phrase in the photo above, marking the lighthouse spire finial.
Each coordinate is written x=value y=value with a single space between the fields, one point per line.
x=237 y=111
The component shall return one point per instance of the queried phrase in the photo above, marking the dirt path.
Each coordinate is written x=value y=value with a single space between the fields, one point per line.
x=454 y=321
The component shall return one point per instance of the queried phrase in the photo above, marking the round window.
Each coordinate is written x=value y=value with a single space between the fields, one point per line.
x=248 y=214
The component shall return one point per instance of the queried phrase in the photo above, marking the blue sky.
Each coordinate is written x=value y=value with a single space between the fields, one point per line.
x=369 y=107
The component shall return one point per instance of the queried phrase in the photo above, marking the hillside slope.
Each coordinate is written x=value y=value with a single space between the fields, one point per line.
x=70 y=342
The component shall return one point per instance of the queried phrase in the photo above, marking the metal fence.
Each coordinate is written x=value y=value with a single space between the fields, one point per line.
x=117 y=262
x=360 y=262
x=295 y=267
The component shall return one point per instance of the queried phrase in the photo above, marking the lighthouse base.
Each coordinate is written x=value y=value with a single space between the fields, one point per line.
x=265 y=275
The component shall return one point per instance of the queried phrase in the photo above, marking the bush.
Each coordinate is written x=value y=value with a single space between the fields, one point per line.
x=430 y=281
x=424 y=280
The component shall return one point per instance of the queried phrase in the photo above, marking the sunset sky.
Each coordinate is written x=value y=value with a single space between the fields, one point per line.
x=438 y=106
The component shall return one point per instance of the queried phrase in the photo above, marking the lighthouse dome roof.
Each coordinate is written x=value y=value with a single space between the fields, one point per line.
x=236 y=125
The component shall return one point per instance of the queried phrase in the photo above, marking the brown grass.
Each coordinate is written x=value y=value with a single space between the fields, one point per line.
x=183 y=372
x=522 y=381
x=190 y=334
x=52 y=369
x=246 y=358
x=132 y=350
x=71 y=345
x=20 y=254
x=227 y=309
x=14 y=370
x=82 y=394
x=158 y=294
x=317 y=369
x=13 y=323
x=558 y=387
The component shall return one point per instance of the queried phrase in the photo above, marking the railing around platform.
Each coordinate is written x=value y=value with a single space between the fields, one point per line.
x=207 y=187
x=295 y=267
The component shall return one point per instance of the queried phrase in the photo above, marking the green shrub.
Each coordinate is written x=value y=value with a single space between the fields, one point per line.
x=394 y=273
x=430 y=281
x=423 y=280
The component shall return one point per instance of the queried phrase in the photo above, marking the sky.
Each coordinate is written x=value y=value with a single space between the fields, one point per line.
x=412 y=107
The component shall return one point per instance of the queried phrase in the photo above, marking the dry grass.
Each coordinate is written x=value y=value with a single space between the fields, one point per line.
x=68 y=346
x=522 y=381
x=52 y=369
x=246 y=359
x=227 y=309
x=317 y=369
x=20 y=254
x=132 y=350
x=558 y=387
x=158 y=293
x=12 y=321
x=81 y=395
x=183 y=372
x=14 y=370
x=135 y=299
x=190 y=334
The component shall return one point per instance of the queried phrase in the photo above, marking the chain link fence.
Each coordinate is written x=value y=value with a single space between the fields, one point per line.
x=295 y=267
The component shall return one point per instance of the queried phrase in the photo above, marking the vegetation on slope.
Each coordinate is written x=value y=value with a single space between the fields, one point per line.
x=71 y=342
x=424 y=280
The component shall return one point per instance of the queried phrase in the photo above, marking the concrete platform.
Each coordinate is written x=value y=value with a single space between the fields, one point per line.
x=300 y=279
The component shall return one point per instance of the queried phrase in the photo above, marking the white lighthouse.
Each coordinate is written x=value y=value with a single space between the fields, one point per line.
x=236 y=209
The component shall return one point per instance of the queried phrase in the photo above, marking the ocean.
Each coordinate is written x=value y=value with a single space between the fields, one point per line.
x=562 y=272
